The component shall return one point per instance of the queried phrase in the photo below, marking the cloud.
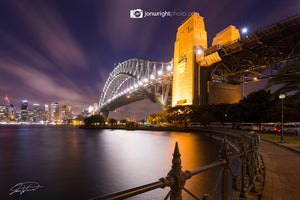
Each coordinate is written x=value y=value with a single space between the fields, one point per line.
x=48 y=27
x=44 y=86
x=23 y=50
x=123 y=32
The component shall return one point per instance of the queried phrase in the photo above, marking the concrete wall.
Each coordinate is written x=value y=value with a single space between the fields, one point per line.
x=223 y=93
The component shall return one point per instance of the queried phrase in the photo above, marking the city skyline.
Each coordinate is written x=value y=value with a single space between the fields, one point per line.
x=35 y=113
x=57 y=51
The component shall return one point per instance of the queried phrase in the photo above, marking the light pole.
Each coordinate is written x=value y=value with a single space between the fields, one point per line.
x=281 y=96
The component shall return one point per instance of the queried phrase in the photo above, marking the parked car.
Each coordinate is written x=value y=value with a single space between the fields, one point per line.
x=194 y=125
x=291 y=128
x=249 y=126
x=270 y=127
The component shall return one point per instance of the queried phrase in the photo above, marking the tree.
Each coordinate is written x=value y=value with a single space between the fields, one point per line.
x=94 y=120
x=113 y=121
x=125 y=120
x=289 y=77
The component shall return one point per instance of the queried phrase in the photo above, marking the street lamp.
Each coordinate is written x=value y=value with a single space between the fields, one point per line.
x=281 y=96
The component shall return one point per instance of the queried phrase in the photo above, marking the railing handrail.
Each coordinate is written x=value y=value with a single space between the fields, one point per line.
x=176 y=178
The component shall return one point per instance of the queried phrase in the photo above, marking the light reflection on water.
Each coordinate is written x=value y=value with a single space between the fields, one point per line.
x=81 y=164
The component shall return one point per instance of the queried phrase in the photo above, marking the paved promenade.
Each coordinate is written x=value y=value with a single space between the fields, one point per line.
x=282 y=172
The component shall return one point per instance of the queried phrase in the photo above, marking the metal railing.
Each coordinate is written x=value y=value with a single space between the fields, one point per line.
x=242 y=183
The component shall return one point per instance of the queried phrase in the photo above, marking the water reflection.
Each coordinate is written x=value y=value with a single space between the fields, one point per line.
x=80 y=164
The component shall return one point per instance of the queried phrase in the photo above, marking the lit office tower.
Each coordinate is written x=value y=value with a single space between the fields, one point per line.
x=37 y=113
x=2 y=112
x=11 y=112
x=63 y=112
x=24 y=110
x=54 y=113
x=6 y=101
x=46 y=113
x=69 y=112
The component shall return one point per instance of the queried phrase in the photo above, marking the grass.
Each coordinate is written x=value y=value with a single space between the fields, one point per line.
x=291 y=142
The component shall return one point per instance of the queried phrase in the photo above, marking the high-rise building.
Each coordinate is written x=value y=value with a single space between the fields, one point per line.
x=69 y=112
x=54 y=113
x=2 y=113
x=11 y=112
x=24 y=110
x=46 y=113
x=63 y=112
x=6 y=101
x=37 y=113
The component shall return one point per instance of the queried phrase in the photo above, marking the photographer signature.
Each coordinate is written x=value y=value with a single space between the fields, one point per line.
x=25 y=187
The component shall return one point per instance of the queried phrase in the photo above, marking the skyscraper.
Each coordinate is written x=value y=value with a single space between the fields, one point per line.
x=2 y=113
x=54 y=113
x=24 y=110
x=63 y=112
x=37 y=113
x=6 y=101
x=46 y=113
x=11 y=112
x=69 y=112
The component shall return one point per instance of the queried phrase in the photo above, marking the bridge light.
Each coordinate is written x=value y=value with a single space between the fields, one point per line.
x=244 y=30
x=127 y=90
x=159 y=72
x=135 y=85
x=152 y=77
x=131 y=87
x=169 y=67
x=146 y=80
x=199 y=51
x=140 y=83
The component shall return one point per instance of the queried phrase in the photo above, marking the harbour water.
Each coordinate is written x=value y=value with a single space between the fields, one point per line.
x=65 y=162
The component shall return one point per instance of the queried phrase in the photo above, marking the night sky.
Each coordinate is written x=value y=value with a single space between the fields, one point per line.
x=63 y=50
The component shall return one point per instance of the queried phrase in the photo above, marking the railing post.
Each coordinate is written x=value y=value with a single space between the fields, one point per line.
x=178 y=174
x=226 y=155
x=253 y=164
x=243 y=166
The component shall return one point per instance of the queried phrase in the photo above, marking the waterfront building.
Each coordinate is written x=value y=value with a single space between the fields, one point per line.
x=24 y=110
x=46 y=113
x=37 y=113
x=2 y=113
x=11 y=112
x=54 y=112
x=6 y=101
x=69 y=112
x=63 y=113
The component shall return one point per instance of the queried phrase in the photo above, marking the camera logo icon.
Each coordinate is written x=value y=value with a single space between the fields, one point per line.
x=136 y=13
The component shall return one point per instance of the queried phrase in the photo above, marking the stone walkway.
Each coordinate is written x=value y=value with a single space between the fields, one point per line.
x=282 y=181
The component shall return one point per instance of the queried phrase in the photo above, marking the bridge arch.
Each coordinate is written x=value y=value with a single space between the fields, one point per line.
x=139 y=77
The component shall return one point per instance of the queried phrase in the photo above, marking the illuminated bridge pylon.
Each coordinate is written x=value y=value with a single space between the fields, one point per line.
x=137 y=79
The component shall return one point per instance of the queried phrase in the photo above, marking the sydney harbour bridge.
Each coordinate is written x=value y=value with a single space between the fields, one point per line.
x=200 y=75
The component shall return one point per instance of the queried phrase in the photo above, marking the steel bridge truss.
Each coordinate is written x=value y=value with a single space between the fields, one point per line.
x=137 y=79
x=258 y=56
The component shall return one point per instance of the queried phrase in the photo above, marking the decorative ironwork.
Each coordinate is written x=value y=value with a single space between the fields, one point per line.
x=176 y=178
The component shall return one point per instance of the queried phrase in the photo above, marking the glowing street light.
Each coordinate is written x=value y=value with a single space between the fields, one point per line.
x=282 y=96
x=159 y=72
x=169 y=67
x=128 y=96
x=152 y=77
x=199 y=51
x=244 y=30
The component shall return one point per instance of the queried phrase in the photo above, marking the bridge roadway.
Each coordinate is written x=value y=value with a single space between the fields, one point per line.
x=282 y=181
